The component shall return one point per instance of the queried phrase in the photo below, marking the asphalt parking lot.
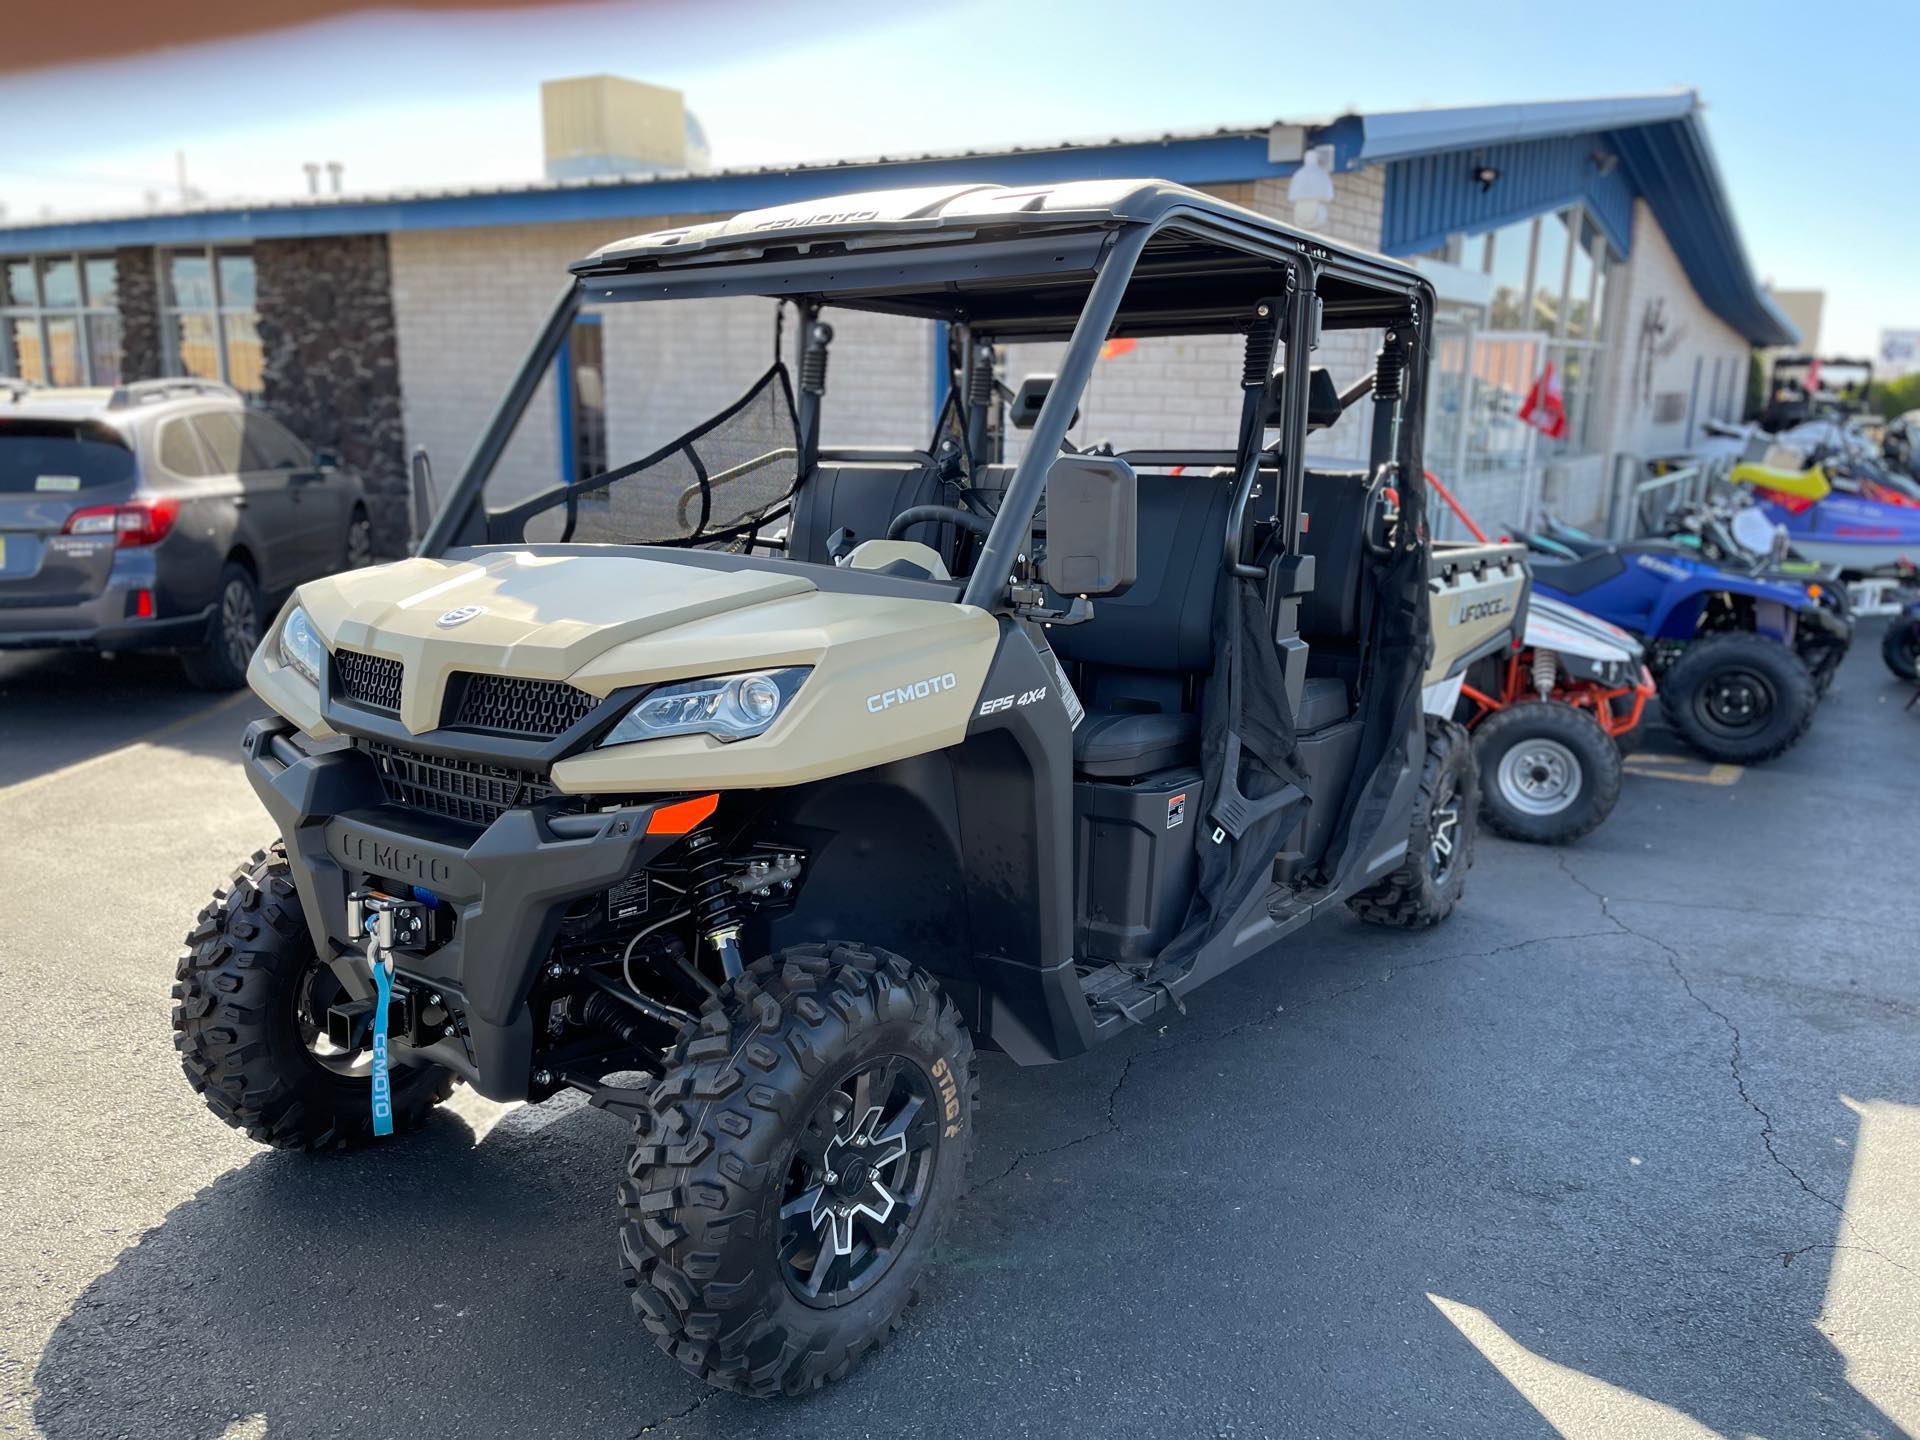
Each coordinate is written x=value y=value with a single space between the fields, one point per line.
x=1629 y=1147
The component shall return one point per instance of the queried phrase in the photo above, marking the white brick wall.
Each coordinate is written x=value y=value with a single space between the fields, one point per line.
x=1185 y=393
x=1659 y=337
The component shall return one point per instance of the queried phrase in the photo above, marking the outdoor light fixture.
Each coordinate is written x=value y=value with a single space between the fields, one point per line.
x=1484 y=176
x=1312 y=187
x=1605 y=162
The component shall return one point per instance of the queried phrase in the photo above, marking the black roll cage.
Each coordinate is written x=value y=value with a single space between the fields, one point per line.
x=1048 y=259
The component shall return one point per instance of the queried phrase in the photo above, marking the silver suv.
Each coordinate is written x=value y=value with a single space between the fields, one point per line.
x=164 y=514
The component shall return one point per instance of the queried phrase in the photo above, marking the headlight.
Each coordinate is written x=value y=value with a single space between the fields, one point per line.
x=300 y=647
x=727 y=707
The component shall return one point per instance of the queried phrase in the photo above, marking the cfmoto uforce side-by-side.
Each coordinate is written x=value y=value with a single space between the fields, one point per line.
x=753 y=784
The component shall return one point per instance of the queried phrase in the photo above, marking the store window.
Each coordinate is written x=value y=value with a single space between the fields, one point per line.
x=207 y=316
x=1509 y=260
x=59 y=320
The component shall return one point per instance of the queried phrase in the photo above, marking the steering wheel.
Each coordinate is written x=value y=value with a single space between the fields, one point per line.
x=928 y=514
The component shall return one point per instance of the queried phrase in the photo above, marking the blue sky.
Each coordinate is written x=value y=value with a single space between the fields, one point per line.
x=1811 y=109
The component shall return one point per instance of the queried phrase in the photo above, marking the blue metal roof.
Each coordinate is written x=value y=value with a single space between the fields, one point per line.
x=1429 y=197
x=1603 y=153
x=1545 y=153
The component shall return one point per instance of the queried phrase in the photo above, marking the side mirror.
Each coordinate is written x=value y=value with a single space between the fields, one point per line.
x=325 y=458
x=1024 y=408
x=1093 y=512
x=421 y=500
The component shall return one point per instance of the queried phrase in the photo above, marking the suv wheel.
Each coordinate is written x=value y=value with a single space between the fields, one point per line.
x=222 y=663
x=795 y=1166
x=1548 y=772
x=1738 y=697
x=359 y=541
x=250 y=1023
x=1424 y=889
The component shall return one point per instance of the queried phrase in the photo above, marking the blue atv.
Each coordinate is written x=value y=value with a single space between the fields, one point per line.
x=1741 y=659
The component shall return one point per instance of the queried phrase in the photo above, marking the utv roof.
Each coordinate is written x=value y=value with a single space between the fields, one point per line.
x=1003 y=259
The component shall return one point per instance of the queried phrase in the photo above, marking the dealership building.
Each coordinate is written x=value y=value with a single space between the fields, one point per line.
x=1592 y=236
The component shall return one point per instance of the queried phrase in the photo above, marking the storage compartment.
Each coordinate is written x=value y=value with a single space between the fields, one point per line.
x=1134 y=862
x=1327 y=755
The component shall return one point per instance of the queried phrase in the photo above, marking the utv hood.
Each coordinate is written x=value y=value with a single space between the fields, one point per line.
x=607 y=622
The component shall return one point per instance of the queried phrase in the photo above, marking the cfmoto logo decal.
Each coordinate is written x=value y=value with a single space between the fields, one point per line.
x=459 y=615
x=1470 y=611
x=907 y=694
x=1663 y=567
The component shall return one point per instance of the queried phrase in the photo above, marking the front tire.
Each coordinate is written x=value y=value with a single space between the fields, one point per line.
x=222 y=663
x=1900 y=646
x=250 y=1040
x=1738 y=697
x=795 y=1165
x=1431 y=877
x=1549 y=772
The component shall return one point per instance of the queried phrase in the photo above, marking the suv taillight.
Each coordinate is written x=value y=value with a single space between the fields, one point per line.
x=142 y=520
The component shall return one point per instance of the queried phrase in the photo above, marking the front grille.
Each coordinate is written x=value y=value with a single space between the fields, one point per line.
x=369 y=681
x=510 y=705
x=470 y=791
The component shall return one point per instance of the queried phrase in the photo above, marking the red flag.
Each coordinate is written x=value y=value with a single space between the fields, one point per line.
x=1544 y=409
x=1118 y=347
x=1812 y=383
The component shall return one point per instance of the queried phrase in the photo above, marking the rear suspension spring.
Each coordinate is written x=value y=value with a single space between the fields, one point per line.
x=1546 y=667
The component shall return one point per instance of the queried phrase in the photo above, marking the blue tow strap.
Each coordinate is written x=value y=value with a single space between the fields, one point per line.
x=382 y=1086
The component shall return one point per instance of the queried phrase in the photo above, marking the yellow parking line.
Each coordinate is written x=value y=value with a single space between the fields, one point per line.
x=146 y=742
x=1680 y=767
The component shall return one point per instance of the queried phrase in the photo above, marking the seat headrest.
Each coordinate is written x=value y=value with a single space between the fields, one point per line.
x=1323 y=398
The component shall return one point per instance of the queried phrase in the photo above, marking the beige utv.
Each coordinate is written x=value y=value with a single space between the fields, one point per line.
x=771 y=780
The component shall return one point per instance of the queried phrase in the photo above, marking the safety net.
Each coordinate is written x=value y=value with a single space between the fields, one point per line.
x=719 y=482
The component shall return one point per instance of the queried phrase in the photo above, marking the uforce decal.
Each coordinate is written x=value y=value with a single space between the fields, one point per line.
x=1007 y=702
x=907 y=694
x=1470 y=611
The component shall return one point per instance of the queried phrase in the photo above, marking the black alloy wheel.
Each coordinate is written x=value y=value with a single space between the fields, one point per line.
x=859 y=1178
x=221 y=664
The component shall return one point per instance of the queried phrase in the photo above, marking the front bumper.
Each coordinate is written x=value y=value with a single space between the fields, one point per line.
x=508 y=884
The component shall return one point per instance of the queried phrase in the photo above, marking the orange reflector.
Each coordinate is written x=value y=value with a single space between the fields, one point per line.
x=1813 y=592
x=683 y=816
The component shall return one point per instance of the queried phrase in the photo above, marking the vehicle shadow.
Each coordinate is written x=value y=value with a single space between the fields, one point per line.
x=62 y=707
x=1229 y=1225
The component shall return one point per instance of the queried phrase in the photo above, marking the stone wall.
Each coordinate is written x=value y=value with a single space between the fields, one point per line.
x=138 y=284
x=332 y=367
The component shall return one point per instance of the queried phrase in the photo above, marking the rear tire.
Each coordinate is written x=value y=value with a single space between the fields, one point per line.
x=1431 y=877
x=1900 y=646
x=243 y=1026
x=1738 y=697
x=755 y=1126
x=1549 y=772
x=222 y=663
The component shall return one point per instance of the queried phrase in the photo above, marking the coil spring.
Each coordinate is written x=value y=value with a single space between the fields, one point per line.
x=1388 y=369
x=1546 y=668
x=1261 y=342
x=813 y=359
x=715 y=904
x=980 y=378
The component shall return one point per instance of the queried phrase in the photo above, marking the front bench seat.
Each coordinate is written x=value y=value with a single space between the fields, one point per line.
x=1124 y=745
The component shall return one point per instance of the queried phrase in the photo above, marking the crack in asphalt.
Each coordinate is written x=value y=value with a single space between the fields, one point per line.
x=1111 y=1125
x=1767 y=1127
x=654 y=1426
